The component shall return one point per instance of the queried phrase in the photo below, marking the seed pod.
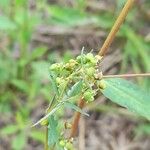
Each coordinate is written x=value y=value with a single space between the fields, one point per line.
x=90 y=71
x=56 y=67
x=68 y=125
x=69 y=146
x=58 y=80
x=90 y=57
x=101 y=84
x=72 y=62
x=89 y=95
x=62 y=143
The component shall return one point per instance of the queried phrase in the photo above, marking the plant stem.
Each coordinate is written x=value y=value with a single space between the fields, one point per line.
x=102 y=52
x=116 y=27
x=46 y=138
x=76 y=119
x=127 y=75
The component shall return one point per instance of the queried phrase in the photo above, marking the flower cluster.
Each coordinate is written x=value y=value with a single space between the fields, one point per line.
x=85 y=68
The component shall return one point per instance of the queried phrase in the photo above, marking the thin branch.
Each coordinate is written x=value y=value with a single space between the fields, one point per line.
x=127 y=75
x=116 y=27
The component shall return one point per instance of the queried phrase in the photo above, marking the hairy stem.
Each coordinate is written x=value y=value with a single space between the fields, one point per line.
x=127 y=75
x=116 y=27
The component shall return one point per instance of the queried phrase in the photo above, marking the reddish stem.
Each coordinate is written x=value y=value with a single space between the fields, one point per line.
x=76 y=119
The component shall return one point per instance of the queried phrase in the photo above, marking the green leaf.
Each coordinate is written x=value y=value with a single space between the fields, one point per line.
x=19 y=142
x=61 y=15
x=21 y=85
x=50 y=113
x=10 y=129
x=5 y=3
x=38 y=52
x=128 y=95
x=143 y=129
x=40 y=69
x=6 y=23
x=53 y=135
x=76 y=108
x=54 y=84
x=37 y=135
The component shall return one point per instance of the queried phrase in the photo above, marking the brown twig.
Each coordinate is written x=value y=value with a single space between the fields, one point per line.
x=115 y=28
x=127 y=75
x=102 y=52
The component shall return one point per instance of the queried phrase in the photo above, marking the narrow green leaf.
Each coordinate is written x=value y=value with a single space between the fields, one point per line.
x=54 y=84
x=76 y=108
x=61 y=15
x=49 y=114
x=10 y=129
x=19 y=142
x=21 y=85
x=53 y=135
x=6 y=23
x=38 y=52
x=128 y=95
x=37 y=135
x=41 y=71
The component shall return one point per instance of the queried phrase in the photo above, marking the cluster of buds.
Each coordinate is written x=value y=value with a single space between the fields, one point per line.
x=66 y=144
x=86 y=68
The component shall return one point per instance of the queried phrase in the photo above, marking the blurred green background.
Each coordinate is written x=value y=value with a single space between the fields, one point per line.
x=37 y=33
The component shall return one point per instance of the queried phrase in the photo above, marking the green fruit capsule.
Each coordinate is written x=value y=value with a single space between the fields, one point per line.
x=68 y=125
x=90 y=57
x=69 y=146
x=58 y=80
x=72 y=61
x=56 y=67
x=90 y=71
x=88 y=96
x=102 y=84
x=53 y=67
x=62 y=143
x=79 y=58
